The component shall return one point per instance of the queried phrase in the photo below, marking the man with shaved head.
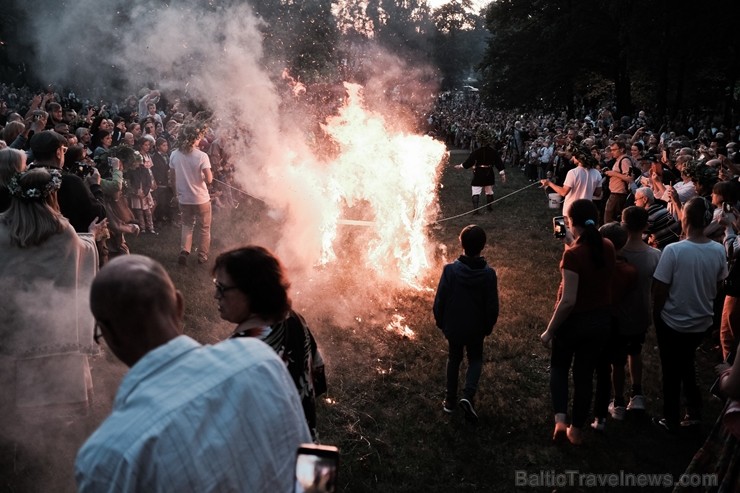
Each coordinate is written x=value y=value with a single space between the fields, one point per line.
x=186 y=417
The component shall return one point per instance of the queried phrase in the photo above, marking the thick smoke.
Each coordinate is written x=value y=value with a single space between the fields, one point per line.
x=214 y=54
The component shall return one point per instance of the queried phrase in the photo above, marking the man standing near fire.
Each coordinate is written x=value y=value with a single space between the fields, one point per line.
x=483 y=160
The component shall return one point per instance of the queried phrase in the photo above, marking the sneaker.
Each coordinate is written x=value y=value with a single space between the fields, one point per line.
x=599 y=424
x=182 y=259
x=202 y=259
x=470 y=413
x=637 y=403
x=690 y=420
x=664 y=425
x=617 y=412
x=152 y=232
x=448 y=407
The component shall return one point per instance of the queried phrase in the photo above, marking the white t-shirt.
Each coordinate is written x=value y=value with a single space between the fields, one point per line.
x=581 y=186
x=189 y=182
x=692 y=270
x=597 y=178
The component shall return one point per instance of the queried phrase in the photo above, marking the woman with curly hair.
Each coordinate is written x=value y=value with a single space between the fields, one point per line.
x=190 y=176
x=580 y=324
x=252 y=291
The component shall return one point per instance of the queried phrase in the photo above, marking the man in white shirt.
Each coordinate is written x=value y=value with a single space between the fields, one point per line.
x=187 y=417
x=190 y=176
x=684 y=287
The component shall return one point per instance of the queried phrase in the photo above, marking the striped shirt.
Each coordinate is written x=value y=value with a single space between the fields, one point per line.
x=198 y=418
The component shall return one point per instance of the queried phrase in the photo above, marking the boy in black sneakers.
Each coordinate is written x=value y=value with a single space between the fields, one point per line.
x=466 y=309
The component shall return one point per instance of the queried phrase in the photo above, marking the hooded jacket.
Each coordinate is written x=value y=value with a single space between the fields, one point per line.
x=466 y=305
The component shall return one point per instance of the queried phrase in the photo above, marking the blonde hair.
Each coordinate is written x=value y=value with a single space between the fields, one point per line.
x=11 y=131
x=32 y=222
x=12 y=161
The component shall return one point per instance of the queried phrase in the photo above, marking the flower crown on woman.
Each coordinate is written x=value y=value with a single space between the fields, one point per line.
x=25 y=192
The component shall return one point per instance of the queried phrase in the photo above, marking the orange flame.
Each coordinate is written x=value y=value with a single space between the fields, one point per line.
x=396 y=325
x=391 y=178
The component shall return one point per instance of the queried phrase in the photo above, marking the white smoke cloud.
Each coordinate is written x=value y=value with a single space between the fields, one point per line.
x=214 y=53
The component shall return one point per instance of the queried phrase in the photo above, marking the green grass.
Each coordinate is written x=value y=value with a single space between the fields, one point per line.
x=383 y=409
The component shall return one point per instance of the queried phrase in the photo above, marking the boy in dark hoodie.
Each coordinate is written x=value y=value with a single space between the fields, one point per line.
x=466 y=309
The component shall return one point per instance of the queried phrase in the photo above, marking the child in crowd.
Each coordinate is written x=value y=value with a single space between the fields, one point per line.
x=466 y=308
x=140 y=196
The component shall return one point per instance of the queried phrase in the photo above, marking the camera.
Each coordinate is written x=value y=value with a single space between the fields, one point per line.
x=80 y=169
x=316 y=468
x=558 y=227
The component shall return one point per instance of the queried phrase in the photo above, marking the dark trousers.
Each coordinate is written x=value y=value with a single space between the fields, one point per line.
x=614 y=205
x=677 y=354
x=579 y=341
x=604 y=376
x=475 y=367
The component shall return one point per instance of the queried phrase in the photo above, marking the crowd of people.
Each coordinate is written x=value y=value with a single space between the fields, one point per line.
x=71 y=188
x=652 y=215
x=652 y=240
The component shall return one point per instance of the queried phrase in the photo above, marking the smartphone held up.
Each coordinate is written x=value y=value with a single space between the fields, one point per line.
x=316 y=468
x=558 y=226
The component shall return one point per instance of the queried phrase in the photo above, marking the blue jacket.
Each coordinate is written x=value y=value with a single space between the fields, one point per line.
x=466 y=305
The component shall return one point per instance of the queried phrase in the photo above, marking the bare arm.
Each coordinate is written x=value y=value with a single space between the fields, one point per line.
x=207 y=176
x=565 y=305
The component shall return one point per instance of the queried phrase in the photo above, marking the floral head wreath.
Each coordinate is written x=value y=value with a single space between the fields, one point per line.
x=17 y=190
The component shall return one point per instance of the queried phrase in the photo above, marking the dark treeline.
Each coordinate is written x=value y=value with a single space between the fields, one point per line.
x=666 y=57
x=663 y=56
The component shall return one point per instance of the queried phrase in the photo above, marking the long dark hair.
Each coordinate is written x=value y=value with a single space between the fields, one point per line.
x=583 y=214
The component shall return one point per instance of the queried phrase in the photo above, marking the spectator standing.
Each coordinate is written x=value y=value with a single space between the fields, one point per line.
x=619 y=182
x=636 y=310
x=190 y=176
x=186 y=417
x=163 y=211
x=44 y=258
x=581 y=322
x=78 y=200
x=252 y=291
x=483 y=160
x=624 y=281
x=581 y=182
x=466 y=308
x=684 y=288
x=12 y=161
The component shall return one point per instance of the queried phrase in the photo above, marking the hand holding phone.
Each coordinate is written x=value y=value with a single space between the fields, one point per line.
x=558 y=227
x=316 y=468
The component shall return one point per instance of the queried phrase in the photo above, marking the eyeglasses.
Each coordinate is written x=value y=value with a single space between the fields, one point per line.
x=221 y=289
x=97 y=333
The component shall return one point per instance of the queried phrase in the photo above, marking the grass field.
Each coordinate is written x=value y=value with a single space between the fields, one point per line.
x=384 y=405
x=383 y=409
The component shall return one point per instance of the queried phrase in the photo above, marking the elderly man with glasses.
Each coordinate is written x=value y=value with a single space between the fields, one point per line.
x=187 y=417
x=662 y=228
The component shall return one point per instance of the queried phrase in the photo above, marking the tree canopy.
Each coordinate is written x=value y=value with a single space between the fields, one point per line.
x=655 y=55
